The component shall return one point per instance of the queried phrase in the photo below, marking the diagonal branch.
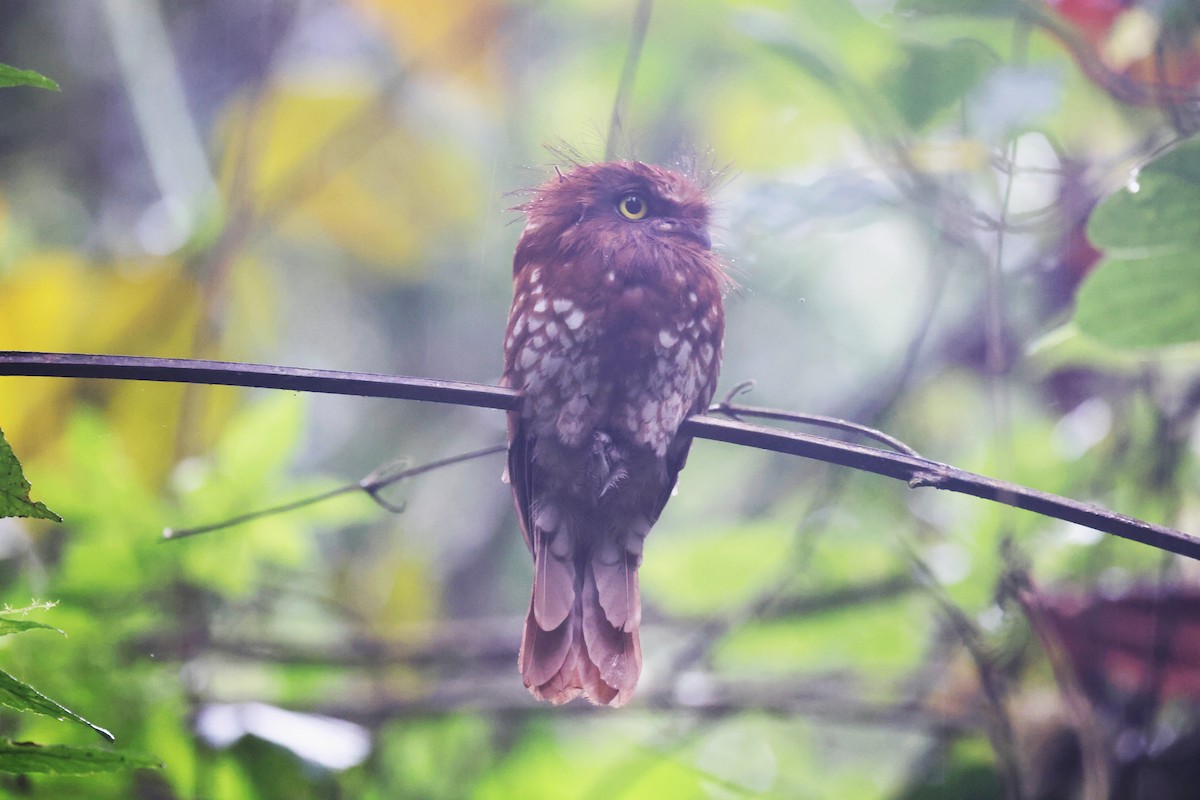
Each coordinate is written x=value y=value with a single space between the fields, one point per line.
x=916 y=471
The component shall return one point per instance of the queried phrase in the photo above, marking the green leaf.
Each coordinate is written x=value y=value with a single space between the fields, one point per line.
x=1145 y=302
x=770 y=31
x=969 y=8
x=23 y=697
x=1182 y=161
x=1145 y=292
x=14 y=489
x=808 y=58
x=57 y=759
x=1163 y=214
x=8 y=626
x=11 y=76
x=934 y=78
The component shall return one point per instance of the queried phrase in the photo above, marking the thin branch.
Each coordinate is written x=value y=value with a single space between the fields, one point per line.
x=385 y=476
x=737 y=411
x=923 y=472
x=916 y=471
x=997 y=722
x=471 y=641
x=715 y=698
x=171 y=534
x=380 y=478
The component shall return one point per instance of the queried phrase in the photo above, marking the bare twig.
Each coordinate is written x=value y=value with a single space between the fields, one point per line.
x=737 y=411
x=997 y=722
x=380 y=478
x=821 y=699
x=914 y=470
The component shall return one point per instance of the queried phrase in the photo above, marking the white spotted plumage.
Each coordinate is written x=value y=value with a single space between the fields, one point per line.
x=613 y=339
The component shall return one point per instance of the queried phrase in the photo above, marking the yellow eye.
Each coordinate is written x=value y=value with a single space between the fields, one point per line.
x=632 y=206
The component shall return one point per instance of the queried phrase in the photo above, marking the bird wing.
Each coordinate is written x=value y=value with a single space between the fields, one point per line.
x=520 y=467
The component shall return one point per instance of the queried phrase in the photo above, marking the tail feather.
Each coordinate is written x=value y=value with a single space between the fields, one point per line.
x=545 y=653
x=564 y=685
x=594 y=650
x=554 y=569
x=595 y=688
x=615 y=573
x=617 y=653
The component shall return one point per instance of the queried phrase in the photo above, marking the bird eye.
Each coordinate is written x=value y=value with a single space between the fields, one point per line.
x=632 y=206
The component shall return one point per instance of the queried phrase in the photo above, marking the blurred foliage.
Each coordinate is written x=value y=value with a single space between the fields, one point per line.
x=14 y=489
x=11 y=76
x=27 y=758
x=908 y=212
x=1146 y=292
x=23 y=758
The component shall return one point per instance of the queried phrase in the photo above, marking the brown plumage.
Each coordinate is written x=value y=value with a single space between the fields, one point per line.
x=614 y=338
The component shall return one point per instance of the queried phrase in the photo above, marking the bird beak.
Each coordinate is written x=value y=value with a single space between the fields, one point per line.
x=696 y=231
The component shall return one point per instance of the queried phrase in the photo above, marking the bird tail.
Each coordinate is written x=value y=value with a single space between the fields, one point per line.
x=581 y=632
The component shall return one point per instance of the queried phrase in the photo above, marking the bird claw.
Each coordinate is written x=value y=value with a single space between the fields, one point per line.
x=618 y=475
x=606 y=463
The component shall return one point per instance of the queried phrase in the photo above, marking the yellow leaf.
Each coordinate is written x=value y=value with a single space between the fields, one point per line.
x=445 y=36
x=57 y=302
x=336 y=166
x=287 y=138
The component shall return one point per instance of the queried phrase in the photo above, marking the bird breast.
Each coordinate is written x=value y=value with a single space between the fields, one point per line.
x=631 y=359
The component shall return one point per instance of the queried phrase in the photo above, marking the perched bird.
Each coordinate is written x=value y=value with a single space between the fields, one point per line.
x=614 y=338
